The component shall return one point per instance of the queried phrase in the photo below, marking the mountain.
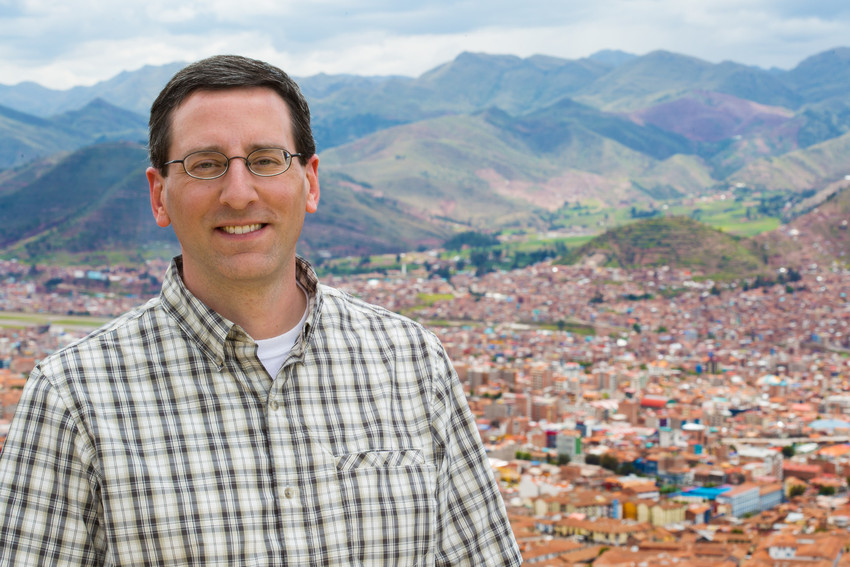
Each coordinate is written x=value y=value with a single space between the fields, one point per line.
x=483 y=142
x=612 y=57
x=493 y=170
x=470 y=83
x=545 y=130
x=799 y=170
x=131 y=90
x=24 y=137
x=821 y=77
x=100 y=121
x=820 y=122
x=662 y=76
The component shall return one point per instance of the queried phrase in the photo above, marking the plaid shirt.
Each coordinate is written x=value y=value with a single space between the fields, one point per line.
x=161 y=440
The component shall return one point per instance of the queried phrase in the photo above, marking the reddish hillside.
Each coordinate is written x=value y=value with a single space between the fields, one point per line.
x=710 y=117
x=819 y=236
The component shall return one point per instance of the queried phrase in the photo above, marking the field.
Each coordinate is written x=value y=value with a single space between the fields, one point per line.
x=17 y=320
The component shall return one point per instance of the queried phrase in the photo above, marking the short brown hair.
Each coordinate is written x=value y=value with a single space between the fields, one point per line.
x=223 y=72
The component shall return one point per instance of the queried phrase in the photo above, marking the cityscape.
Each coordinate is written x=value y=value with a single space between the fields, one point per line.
x=627 y=223
x=631 y=417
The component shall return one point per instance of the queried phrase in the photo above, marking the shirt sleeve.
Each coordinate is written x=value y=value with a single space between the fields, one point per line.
x=48 y=505
x=473 y=525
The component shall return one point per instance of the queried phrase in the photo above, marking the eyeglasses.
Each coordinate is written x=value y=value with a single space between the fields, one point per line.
x=265 y=162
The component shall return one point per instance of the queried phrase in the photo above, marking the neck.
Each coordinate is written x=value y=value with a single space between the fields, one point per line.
x=263 y=309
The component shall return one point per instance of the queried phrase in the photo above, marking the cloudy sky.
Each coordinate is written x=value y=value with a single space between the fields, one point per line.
x=63 y=43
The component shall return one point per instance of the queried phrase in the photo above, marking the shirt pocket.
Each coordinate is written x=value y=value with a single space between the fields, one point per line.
x=389 y=503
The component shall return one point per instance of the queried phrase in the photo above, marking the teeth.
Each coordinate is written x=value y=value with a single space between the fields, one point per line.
x=244 y=229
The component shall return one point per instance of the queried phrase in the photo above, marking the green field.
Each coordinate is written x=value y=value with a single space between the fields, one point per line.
x=19 y=320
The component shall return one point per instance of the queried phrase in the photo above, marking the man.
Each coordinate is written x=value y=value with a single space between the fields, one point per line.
x=248 y=415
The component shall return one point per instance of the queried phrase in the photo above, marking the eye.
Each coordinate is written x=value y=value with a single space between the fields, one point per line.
x=205 y=163
x=267 y=158
x=268 y=161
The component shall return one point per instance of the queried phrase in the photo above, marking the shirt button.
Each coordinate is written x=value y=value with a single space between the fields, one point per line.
x=288 y=492
x=273 y=405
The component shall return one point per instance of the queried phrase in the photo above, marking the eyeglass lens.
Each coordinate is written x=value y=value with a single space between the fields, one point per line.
x=264 y=162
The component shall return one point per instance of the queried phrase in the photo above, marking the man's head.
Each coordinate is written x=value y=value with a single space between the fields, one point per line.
x=220 y=73
x=238 y=229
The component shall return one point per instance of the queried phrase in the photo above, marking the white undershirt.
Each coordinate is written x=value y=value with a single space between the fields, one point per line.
x=273 y=352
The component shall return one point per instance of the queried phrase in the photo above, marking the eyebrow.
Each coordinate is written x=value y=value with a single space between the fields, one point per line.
x=251 y=148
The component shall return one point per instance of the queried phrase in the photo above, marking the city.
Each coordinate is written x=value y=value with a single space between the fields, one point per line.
x=646 y=415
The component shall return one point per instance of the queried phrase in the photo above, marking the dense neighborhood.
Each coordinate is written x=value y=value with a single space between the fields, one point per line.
x=631 y=417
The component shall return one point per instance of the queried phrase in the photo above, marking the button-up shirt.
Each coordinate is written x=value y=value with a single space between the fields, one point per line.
x=161 y=440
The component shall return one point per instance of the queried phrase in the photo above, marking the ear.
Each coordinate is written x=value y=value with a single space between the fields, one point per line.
x=312 y=182
x=157 y=186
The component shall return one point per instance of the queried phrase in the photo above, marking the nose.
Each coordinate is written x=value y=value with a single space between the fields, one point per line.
x=238 y=190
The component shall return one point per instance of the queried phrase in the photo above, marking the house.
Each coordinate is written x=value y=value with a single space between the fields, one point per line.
x=785 y=548
x=655 y=513
x=603 y=530
x=587 y=502
x=741 y=500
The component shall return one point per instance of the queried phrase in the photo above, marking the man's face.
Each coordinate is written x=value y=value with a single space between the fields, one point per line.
x=239 y=228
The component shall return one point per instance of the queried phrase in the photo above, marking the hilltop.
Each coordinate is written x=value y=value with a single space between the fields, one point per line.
x=675 y=242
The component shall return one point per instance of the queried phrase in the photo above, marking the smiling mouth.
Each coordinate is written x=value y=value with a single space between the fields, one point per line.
x=242 y=229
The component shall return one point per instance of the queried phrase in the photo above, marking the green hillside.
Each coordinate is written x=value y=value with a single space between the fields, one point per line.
x=100 y=121
x=492 y=170
x=677 y=242
x=96 y=200
x=24 y=137
x=799 y=170
x=823 y=76
x=437 y=168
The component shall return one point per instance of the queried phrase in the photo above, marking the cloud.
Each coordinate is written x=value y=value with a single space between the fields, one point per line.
x=85 y=41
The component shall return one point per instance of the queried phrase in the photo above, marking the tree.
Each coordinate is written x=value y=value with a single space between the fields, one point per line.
x=626 y=469
x=609 y=462
x=471 y=239
x=788 y=451
x=479 y=258
x=796 y=490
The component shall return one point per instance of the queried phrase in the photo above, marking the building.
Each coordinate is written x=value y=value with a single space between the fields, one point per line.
x=740 y=501
x=568 y=443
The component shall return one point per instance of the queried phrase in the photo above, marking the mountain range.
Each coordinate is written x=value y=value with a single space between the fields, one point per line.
x=482 y=142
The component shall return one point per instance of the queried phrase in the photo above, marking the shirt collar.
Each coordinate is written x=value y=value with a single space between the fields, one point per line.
x=306 y=276
x=209 y=329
